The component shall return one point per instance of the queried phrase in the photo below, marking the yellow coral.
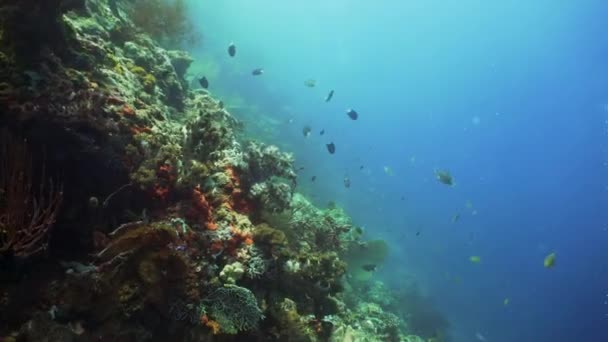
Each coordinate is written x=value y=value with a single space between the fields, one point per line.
x=214 y=326
x=149 y=81
x=137 y=70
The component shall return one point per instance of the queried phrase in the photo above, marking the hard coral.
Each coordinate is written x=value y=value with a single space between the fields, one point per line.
x=235 y=308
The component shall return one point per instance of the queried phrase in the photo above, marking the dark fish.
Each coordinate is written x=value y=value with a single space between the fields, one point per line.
x=231 y=50
x=329 y=96
x=313 y=178
x=300 y=169
x=306 y=131
x=403 y=198
x=310 y=83
x=346 y=182
x=331 y=148
x=203 y=82
x=369 y=267
x=361 y=167
x=352 y=114
x=257 y=72
x=221 y=104
x=322 y=132
x=444 y=176
x=455 y=218
x=417 y=233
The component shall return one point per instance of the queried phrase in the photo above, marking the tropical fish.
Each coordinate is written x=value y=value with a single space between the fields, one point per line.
x=352 y=114
x=388 y=170
x=231 y=50
x=329 y=96
x=331 y=148
x=306 y=131
x=455 y=218
x=257 y=72
x=310 y=83
x=475 y=259
x=505 y=302
x=480 y=337
x=203 y=82
x=444 y=176
x=322 y=132
x=346 y=182
x=369 y=267
x=550 y=260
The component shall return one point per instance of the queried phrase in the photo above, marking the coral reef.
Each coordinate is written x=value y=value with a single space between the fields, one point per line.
x=169 y=225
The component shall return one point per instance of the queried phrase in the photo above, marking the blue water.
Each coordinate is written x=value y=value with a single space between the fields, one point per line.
x=510 y=96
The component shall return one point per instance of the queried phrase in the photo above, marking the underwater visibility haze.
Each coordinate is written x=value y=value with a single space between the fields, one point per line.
x=315 y=170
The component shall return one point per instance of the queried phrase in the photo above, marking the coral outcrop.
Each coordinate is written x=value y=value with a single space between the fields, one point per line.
x=169 y=225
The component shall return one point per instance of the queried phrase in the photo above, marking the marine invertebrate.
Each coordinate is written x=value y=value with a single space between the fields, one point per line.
x=202 y=208
x=232 y=272
x=266 y=161
x=26 y=217
x=256 y=264
x=234 y=308
x=272 y=195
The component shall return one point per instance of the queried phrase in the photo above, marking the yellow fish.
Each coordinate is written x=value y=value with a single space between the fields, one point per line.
x=550 y=260
x=475 y=259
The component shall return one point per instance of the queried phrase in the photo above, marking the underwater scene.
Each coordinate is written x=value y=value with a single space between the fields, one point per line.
x=321 y=170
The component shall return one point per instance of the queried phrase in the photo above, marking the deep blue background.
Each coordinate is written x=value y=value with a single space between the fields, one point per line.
x=510 y=96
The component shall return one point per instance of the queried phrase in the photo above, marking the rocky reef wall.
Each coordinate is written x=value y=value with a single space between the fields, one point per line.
x=146 y=216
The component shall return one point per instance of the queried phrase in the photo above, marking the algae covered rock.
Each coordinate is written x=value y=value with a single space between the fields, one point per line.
x=181 y=61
